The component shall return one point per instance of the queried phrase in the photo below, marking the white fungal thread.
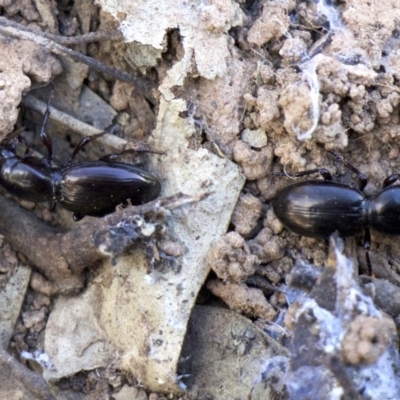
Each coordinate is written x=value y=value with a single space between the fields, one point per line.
x=288 y=174
x=309 y=70
x=332 y=15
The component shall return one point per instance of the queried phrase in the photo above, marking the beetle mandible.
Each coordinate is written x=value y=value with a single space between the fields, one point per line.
x=319 y=208
x=91 y=188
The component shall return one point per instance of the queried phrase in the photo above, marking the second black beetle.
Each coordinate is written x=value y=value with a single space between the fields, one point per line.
x=92 y=188
x=319 y=208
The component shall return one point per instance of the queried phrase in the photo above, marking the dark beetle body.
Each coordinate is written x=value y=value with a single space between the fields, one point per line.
x=92 y=188
x=319 y=208
x=384 y=211
x=26 y=178
x=96 y=187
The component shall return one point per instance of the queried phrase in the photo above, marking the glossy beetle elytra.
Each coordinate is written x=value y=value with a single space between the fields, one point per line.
x=92 y=188
x=319 y=208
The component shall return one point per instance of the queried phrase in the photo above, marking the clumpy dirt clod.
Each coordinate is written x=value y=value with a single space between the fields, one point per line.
x=366 y=339
x=231 y=259
x=22 y=62
x=241 y=298
x=255 y=163
x=266 y=246
x=246 y=214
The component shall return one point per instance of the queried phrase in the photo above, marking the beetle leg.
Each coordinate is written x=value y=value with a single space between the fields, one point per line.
x=21 y=139
x=44 y=136
x=326 y=175
x=79 y=147
x=367 y=246
x=362 y=179
x=85 y=141
x=11 y=138
x=390 y=180
x=114 y=156
x=28 y=149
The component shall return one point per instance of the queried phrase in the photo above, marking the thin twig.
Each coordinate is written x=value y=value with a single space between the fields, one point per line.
x=144 y=85
x=67 y=40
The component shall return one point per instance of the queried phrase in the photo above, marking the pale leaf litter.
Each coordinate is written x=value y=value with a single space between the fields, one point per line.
x=136 y=321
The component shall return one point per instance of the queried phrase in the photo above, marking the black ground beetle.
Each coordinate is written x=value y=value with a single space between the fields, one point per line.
x=319 y=208
x=92 y=188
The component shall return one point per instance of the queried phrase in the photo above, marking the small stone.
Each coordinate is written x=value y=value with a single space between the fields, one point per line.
x=39 y=284
x=255 y=138
x=246 y=214
x=31 y=318
x=231 y=259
